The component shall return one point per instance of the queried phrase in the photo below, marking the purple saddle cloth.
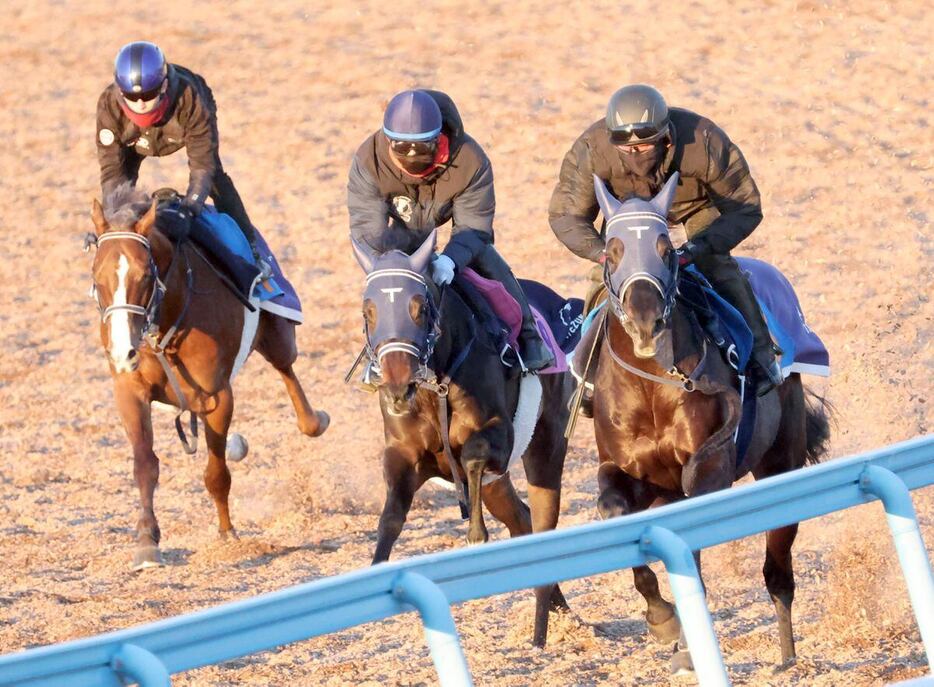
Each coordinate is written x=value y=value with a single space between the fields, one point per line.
x=560 y=329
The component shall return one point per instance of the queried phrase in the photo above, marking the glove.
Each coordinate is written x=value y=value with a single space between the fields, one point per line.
x=175 y=220
x=686 y=254
x=442 y=270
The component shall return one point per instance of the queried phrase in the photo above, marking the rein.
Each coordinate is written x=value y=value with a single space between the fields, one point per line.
x=150 y=332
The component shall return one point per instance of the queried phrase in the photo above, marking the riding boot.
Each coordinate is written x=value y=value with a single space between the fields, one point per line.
x=535 y=354
x=588 y=349
x=724 y=274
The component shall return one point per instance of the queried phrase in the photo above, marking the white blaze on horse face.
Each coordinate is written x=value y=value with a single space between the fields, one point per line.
x=120 y=339
x=391 y=293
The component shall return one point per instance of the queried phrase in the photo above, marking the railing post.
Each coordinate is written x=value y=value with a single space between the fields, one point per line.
x=691 y=602
x=140 y=665
x=440 y=632
x=916 y=568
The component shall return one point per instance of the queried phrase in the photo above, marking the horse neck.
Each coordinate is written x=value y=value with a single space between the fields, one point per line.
x=454 y=319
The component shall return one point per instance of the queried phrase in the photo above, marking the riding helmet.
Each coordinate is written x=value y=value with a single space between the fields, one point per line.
x=636 y=114
x=140 y=70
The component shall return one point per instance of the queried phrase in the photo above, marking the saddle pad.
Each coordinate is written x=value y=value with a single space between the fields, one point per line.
x=276 y=294
x=508 y=311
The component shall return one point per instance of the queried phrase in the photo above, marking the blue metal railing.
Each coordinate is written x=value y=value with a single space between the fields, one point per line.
x=149 y=653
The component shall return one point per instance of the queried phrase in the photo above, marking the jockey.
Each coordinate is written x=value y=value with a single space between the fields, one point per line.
x=155 y=108
x=420 y=171
x=634 y=150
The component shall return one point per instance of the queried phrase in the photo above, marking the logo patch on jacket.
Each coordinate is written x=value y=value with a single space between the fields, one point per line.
x=105 y=136
x=404 y=207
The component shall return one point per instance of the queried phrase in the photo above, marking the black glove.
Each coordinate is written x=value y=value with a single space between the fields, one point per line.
x=175 y=221
x=686 y=254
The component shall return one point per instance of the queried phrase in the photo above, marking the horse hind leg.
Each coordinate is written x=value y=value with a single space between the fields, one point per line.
x=276 y=344
x=788 y=452
x=216 y=473
x=621 y=494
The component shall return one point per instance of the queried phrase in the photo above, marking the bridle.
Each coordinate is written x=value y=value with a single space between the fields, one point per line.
x=420 y=350
x=150 y=332
x=669 y=295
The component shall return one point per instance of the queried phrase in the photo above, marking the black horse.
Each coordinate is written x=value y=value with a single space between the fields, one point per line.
x=448 y=402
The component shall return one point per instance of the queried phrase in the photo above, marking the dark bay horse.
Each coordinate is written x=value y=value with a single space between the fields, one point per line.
x=158 y=299
x=441 y=378
x=666 y=406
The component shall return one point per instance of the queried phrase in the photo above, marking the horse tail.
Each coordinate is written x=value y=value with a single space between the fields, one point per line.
x=819 y=413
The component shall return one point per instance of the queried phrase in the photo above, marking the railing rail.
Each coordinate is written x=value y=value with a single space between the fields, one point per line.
x=148 y=653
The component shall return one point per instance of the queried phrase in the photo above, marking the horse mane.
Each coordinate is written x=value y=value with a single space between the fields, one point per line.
x=124 y=205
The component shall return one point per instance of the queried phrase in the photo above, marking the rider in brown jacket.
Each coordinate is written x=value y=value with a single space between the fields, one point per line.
x=638 y=145
x=153 y=108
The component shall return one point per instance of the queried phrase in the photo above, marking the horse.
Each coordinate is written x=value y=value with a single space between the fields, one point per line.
x=172 y=333
x=666 y=406
x=446 y=404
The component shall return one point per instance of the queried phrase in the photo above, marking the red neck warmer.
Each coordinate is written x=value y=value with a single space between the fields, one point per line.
x=441 y=157
x=150 y=118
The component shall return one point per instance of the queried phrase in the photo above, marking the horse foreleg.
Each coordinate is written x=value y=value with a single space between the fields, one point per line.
x=477 y=532
x=137 y=422
x=216 y=473
x=621 y=494
x=276 y=344
x=402 y=481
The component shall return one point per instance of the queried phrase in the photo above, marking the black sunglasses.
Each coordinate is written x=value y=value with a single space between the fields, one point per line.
x=633 y=133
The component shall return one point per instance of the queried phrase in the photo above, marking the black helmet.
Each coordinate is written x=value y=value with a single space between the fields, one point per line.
x=636 y=114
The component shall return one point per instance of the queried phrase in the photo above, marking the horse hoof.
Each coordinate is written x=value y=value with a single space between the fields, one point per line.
x=224 y=535
x=681 y=664
x=324 y=421
x=667 y=631
x=147 y=557
x=475 y=539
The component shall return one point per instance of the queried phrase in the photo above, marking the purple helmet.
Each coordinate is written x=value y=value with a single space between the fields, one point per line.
x=139 y=70
x=412 y=116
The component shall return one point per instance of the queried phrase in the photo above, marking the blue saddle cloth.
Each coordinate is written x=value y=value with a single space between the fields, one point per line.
x=221 y=235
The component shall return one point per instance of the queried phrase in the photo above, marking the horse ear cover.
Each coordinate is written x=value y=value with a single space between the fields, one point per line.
x=419 y=260
x=662 y=201
x=363 y=255
x=608 y=204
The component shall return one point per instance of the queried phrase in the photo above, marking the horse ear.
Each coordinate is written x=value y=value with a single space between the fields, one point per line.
x=422 y=256
x=608 y=204
x=97 y=214
x=363 y=255
x=144 y=224
x=663 y=200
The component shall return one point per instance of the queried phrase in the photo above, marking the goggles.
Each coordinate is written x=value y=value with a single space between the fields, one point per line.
x=633 y=134
x=413 y=148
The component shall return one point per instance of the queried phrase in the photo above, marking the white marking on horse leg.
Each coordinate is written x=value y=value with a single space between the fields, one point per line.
x=120 y=344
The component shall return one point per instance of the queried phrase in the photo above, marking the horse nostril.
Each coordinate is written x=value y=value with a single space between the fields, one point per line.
x=131 y=355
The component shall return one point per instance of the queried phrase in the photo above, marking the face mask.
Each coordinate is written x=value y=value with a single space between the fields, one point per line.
x=644 y=163
x=415 y=164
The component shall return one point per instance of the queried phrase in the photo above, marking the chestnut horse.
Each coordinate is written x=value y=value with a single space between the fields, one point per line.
x=158 y=300
x=666 y=406
x=447 y=404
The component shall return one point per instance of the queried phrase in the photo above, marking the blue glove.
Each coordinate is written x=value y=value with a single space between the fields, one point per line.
x=442 y=270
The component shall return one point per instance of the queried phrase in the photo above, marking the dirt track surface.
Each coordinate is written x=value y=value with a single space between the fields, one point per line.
x=830 y=103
